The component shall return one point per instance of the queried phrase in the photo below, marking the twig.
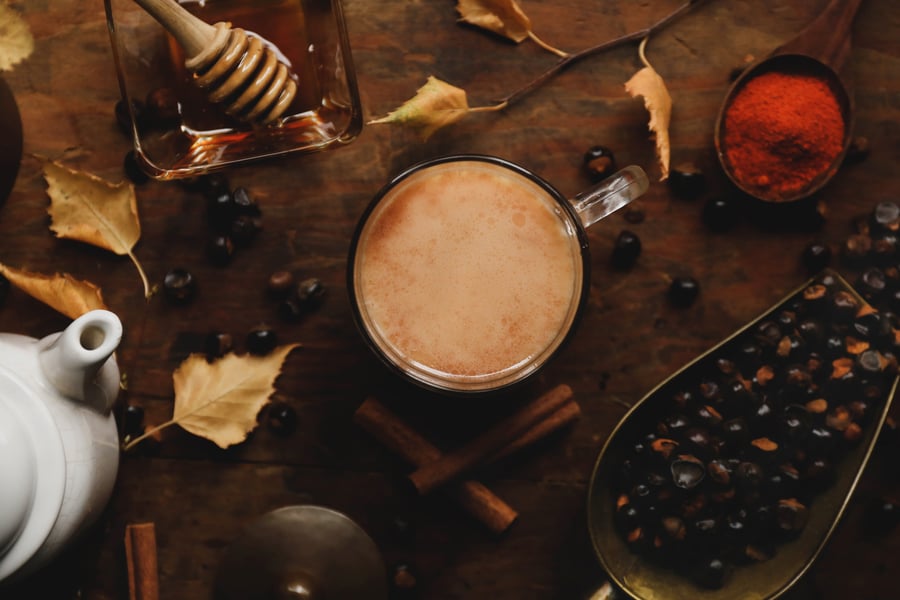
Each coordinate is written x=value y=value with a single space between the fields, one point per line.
x=581 y=54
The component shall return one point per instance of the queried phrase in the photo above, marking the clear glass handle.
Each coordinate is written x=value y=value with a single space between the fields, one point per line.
x=610 y=195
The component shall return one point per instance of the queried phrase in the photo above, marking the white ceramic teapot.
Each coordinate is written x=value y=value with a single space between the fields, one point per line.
x=59 y=450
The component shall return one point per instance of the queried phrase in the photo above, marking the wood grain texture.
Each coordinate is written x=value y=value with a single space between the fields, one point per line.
x=628 y=339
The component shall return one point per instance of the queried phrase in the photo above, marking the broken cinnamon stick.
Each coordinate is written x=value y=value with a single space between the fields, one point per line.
x=473 y=496
x=438 y=472
x=140 y=558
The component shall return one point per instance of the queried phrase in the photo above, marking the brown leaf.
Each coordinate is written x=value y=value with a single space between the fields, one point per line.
x=650 y=85
x=89 y=209
x=60 y=291
x=16 y=41
x=435 y=105
x=220 y=401
x=503 y=17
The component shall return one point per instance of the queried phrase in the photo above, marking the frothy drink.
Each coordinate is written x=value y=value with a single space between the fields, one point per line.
x=468 y=274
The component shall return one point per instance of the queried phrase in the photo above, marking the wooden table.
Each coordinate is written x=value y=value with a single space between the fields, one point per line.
x=630 y=338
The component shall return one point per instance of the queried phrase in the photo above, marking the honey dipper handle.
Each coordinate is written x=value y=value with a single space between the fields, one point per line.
x=193 y=34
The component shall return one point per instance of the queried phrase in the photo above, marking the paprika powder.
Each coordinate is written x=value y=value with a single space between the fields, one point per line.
x=781 y=130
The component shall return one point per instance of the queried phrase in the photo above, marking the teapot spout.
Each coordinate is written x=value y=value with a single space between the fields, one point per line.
x=79 y=361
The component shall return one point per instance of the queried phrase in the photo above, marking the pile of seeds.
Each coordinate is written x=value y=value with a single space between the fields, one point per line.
x=743 y=442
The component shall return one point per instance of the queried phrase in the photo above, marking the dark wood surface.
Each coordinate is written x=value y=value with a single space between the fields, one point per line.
x=629 y=339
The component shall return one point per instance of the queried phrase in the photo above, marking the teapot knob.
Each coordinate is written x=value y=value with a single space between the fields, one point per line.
x=79 y=361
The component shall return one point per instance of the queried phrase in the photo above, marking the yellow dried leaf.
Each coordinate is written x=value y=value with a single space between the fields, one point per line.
x=61 y=292
x=503 y=17
x=16 y=41
x=650 y=85
x=220 y=400
x=89 y=209
x=435 y=105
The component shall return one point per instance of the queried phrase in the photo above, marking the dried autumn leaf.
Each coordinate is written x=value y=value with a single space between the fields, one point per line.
x=61 y=292
x=89 y=209
x=503 y=17
x=435 y=105
x=220 y=400
x=650 y=85
x=16 y=42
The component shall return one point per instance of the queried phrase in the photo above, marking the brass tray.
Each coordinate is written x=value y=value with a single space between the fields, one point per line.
x=642 y=579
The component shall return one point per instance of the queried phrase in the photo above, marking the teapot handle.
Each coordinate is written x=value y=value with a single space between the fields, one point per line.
x=79 y=361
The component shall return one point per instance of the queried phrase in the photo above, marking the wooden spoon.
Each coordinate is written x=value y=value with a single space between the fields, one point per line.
x=241 y=70
x=820 y=50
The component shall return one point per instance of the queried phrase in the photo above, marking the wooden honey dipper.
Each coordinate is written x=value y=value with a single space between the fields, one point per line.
x=245 y=73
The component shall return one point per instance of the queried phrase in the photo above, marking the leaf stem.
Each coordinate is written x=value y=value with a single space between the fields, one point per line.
x=140 y=269
x=582 y=54
x=132 y=443
x=546 y=46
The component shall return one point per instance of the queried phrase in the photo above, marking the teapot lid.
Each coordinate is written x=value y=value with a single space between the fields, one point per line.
x=32 y=472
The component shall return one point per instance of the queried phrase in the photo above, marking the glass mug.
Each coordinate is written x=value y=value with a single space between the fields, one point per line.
x=467 y=273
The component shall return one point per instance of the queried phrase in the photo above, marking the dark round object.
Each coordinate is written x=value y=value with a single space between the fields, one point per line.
x=871 y=283
x=281 y=418
x=599 y=163
x=179 y=286
x=280 y=284
x=132 y=421
x=816 y=256
x=687 y=181
x=720 y=214
x=133 y=170
x=261 y=340
x=162 y=107
x=683 y=291
x=886 y=216
x=309 y=293
x=687 y=472
x=403 y=580
x=244 y=204
x=4 y=289
x=217 y=344
x=626 y=249
x=858 y=150
x=221 y=210
x=220 y=250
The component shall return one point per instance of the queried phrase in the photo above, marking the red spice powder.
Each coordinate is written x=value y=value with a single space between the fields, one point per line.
x=780 y=131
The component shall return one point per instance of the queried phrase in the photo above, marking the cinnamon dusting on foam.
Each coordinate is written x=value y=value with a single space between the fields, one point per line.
x=467 y=269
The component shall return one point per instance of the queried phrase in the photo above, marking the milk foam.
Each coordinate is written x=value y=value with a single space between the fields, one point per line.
x=467 y=269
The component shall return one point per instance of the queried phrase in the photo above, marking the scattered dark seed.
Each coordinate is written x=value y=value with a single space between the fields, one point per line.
x=687 y=181
x=179 y=286
x=261 y=340
x=599 y=163
x=281 y=418
x=683 y=291
x=626 y=249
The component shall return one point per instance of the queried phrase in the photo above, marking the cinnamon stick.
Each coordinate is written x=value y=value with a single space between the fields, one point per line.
x=473 y=496
x=140 y=558
x=434 y=474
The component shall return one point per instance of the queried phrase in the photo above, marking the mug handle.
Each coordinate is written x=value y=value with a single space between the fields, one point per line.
x=610 y=195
